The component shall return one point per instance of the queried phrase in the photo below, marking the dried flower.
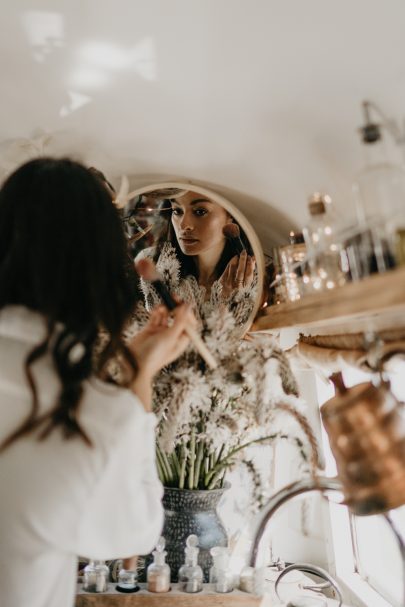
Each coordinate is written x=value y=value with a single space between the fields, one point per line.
x=207 y=417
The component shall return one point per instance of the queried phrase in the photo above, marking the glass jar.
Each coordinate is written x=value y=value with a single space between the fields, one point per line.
x=327 y=258
x=294 y=267
x=158 y=577
x=247 y=580
x=221 y=578
x=190 y=578
x=127 y=580
x=95 y=577
x=190 y=574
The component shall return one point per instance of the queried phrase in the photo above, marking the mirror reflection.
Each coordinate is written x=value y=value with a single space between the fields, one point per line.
x=201 y=251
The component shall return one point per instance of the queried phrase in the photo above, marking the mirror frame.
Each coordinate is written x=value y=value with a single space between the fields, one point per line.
x=240 y=218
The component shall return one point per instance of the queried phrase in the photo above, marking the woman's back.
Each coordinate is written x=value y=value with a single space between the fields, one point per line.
x=59 y=496
x=77 y=454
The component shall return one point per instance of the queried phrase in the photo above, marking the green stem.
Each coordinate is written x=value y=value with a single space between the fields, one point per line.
x=218 y=459
x=176 y=463
x=183 y=462
x=206 y=464
x=225 y=462
x=167 y=466
x=217 y=477
x=192 y=460
x=160 y=472
x=161 y=468
x=200 y=455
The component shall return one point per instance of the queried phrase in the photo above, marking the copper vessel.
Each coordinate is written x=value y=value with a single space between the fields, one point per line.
x=366 y=429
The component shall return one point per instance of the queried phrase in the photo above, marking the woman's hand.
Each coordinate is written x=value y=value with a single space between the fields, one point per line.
x=161 y=341
x=238 y=273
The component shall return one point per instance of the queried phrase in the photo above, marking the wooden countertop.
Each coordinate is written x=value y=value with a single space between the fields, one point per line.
x=174 y=598
x=376 y=302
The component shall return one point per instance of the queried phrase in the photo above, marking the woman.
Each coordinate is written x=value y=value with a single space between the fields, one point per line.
x=77 y=466
x=195 y=256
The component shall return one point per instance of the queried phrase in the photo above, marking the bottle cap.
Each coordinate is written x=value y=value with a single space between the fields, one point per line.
x=317 y=203
x=191 y=550
x=220 y=554
x=159 y=555
x=192 y=541
x=296 y=238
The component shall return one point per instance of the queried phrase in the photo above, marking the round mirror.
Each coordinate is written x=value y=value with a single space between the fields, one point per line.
x=205 y=250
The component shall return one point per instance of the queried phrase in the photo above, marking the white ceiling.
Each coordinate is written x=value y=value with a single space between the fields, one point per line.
x=258 y=98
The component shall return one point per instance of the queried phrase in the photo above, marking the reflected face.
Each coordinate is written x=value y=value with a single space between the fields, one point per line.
x=198 y=223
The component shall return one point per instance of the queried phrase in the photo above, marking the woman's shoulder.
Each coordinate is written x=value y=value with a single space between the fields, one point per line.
x=109 y=405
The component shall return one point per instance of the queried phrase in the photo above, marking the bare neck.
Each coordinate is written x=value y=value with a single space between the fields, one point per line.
x=206 y=263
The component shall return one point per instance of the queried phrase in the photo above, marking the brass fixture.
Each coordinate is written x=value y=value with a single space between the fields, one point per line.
x=366 y=429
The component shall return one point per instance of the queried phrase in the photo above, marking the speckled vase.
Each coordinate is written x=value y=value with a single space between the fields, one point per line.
x=190 y=511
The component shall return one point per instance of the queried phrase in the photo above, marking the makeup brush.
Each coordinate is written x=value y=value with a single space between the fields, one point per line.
x=232 y=232
x=147 y=270
x=141 y=232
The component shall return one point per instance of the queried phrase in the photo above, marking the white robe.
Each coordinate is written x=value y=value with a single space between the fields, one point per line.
x=60 y=498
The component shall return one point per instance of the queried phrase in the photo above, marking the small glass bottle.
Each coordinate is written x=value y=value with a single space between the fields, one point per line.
x=158 y=572
x=294 y=267
x=190 y=574
x=221 y=578
x=379 y=192
x=247 y=580
x=127 y=581
x=327 y=259
x=95 y=577
x=277 y=286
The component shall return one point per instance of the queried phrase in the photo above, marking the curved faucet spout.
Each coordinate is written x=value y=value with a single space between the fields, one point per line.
x=322 y=484
x=284 y=495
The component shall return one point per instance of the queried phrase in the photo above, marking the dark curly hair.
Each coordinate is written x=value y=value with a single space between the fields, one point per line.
x=63 y=254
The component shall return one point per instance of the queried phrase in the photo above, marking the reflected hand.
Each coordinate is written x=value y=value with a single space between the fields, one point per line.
x=238 y=273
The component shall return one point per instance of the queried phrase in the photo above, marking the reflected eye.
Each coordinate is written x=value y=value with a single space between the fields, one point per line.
x=177 y=211
x=200 y=212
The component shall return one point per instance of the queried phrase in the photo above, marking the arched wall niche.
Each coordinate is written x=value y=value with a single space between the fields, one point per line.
x=271 y=225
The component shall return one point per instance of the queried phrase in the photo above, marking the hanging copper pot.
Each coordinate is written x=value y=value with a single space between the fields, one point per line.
x=366 y=429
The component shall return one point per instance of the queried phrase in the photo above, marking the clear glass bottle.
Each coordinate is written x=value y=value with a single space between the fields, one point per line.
x=379 y=192
x=247 y=580
x=379 y=187
x=190 y=574
x=221 y=578
x=295 y=270
x=158 y=572
x=327 y=261
x=277 y=286
x=127 y=580
x=95 y=577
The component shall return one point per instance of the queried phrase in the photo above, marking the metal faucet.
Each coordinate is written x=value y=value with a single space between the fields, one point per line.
x=322 y=484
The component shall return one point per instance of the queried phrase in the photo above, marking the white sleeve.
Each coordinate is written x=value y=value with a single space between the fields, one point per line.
x=124 y=516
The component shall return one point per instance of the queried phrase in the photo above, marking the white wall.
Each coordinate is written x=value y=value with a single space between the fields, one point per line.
x=256 y=97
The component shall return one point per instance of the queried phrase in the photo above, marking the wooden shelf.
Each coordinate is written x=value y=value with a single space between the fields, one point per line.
x=174 y=598
x=375 y=302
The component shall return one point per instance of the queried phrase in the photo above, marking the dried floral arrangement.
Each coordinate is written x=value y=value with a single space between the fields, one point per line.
x=207 y=418
x=240 y=303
